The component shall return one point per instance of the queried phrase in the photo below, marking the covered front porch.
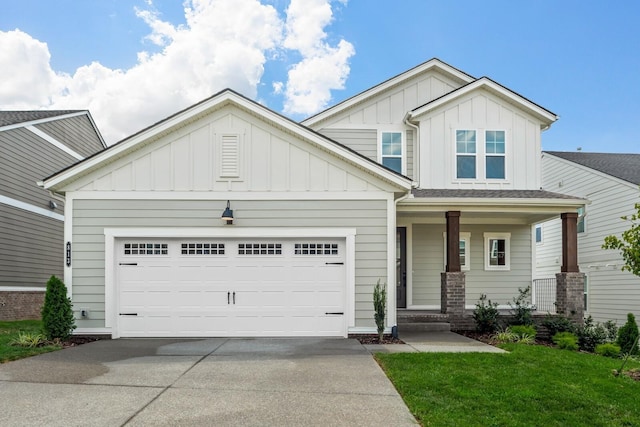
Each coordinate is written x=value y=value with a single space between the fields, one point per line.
x=454 y=245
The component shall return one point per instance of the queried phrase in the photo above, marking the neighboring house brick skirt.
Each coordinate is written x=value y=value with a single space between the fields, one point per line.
x=21 y=305
x=570 y=295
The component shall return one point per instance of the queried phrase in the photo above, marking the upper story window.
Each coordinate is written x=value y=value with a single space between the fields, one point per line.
x=466 y=153
x=480 y=154
x=494 y=149
x=391 y=150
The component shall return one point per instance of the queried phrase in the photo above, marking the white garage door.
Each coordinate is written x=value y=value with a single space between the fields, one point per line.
x=249 y=287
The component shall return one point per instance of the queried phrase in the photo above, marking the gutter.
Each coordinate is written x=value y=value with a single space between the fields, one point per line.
x=416 y=154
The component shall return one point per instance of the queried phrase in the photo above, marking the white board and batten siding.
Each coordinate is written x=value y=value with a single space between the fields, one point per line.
x=612 y=293
x=479 y=110
x=181 y=183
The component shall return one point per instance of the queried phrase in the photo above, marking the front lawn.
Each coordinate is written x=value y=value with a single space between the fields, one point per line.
x=531 y=385
x=10 y=331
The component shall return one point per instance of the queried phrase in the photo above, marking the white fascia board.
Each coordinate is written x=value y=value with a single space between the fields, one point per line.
x=233 y=196
x=486 y=83
x=490 y=205
x=432 y=63
x=593 y=171
x=45 y=120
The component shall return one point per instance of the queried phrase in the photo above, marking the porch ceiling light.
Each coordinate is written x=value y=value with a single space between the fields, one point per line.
x=227 y=215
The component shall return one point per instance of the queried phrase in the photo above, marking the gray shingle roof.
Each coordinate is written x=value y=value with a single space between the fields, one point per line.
x=13 y=117
x=619 y=165
x=488 y=194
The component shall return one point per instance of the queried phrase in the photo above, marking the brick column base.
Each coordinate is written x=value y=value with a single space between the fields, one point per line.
x=570 y=295
x=452 y=290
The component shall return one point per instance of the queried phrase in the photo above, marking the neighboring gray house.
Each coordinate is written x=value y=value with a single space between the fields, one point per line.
x=610 y=182
x=228 y=219
x=34 y=144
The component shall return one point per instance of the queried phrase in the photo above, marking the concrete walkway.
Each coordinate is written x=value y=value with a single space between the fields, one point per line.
x=221 y=382
x=434 y=342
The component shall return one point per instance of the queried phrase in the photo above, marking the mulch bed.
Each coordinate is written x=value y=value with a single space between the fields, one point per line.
x=76 y=340
x=373 y=339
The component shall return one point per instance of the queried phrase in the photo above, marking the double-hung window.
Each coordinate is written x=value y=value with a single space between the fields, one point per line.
x=494 y=152
x=480 y=154
x=391 y=150
x=466 y=153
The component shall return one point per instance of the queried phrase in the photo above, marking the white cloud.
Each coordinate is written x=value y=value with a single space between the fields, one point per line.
x=224 y=43
x=323 y=67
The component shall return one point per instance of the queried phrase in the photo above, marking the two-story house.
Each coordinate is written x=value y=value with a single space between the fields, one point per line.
x=34 y=144
x=228 y=219
x=610 y=182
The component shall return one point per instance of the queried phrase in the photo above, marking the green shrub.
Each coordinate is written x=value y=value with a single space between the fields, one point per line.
x=608 y=349
x=486 y=315
x=566 y=341
x=591 y=334
x=559 y=323
x=523 y=330
x=505 y=336
x=612 y=330
x=628 y=336
x=27 y=339
x=57 y=316
x=522 y=309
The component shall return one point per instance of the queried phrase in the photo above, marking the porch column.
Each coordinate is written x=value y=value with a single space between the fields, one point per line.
x=570 y=282
x=452 y=281
x=569 y=242
x=453 y=241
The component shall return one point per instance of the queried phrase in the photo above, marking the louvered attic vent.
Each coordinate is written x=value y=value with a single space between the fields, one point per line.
x=230 y=156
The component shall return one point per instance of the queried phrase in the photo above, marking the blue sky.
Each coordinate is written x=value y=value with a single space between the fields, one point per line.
x=579 y=59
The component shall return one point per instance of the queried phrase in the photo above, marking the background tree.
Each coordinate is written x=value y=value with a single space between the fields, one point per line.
x=629 y=243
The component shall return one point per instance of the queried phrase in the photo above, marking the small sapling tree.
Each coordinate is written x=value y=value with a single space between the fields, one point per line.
x=380 y=307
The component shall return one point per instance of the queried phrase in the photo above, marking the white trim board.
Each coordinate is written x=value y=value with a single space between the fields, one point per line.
x=22 y=289
x=30 y=208
x=51 y=140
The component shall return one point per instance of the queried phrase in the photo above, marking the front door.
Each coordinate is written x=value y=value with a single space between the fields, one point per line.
x=401 y=267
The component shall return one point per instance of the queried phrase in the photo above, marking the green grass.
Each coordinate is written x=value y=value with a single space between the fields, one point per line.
x=531 y=385
x=10 y=330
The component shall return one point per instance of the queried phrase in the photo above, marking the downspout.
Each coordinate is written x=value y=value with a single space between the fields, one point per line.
x=416 y=154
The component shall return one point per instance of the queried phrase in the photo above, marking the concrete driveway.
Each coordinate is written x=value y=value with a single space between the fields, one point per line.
x=134 y=382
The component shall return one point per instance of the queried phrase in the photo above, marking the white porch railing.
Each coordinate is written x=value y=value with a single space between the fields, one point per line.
x=543 y=295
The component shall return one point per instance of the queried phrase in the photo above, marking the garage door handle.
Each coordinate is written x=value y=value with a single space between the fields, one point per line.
x=335 y=312
x=334 y=263
x=228 y=295
x=234 y=298
x=128 y=263
x=128 y=314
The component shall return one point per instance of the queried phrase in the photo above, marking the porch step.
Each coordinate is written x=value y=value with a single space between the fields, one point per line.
x=423 y=327
x=421 y=316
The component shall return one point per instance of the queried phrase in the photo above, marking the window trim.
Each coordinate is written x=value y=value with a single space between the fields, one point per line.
x=481 y=154
x=507 y=251
x=403 y=142
x=582 y=214
x=466 y=237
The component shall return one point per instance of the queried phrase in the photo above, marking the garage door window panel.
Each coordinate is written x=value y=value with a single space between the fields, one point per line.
x=146 y=249
x=202 y=248
x=259 y=249
x=316 y=249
